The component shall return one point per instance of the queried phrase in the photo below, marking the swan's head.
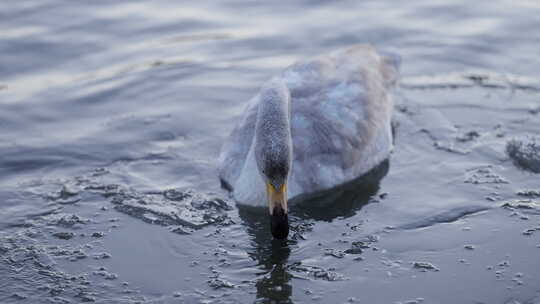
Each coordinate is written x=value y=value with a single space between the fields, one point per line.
x=276 y=193
x=273 y=152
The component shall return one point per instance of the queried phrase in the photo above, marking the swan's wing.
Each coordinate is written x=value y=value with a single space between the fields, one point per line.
x=341 y=116
x=338 y=102
x=236 y=147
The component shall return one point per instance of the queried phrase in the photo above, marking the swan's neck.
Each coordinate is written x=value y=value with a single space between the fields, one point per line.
x=270 y=155
x=272 y=140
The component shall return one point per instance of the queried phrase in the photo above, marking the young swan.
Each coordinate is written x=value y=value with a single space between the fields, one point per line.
x=321 y=123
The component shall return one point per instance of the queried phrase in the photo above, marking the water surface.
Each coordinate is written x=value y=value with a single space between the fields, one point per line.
x=106 y=102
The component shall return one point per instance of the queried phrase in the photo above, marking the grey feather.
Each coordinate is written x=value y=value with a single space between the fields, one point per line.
x=340 y=113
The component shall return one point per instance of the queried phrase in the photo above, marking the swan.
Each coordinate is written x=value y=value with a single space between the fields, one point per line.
x=322 y=122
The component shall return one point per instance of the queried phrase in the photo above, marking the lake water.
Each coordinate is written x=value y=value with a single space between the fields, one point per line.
x=113 y=112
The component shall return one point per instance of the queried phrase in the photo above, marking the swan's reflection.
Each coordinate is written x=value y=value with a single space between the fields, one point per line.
x=272 y=255
x=343 y=201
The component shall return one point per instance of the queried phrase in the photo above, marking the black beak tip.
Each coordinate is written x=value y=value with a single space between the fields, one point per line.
x=279 y=224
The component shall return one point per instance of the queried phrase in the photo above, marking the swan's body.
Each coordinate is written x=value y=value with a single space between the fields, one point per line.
x=336 y=112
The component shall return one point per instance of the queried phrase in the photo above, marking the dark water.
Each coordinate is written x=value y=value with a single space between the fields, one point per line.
x=106 y=105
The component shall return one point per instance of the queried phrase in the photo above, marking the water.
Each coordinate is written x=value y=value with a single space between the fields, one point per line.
x=106 y=104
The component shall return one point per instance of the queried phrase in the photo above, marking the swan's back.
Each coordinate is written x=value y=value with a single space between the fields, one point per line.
x=340 y=121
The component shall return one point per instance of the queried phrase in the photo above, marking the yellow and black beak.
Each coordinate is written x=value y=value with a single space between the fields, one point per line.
x=277 y=203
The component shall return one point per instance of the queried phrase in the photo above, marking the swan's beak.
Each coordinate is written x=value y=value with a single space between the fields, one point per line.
x=277 y=203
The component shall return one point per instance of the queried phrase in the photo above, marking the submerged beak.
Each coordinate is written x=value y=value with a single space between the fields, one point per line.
x=277 y=203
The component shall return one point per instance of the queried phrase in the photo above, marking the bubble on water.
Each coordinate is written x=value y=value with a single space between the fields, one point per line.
x=504 y=263
x=359 y=258
x=180 y=229
x=102 y=255
x=315 y=272
x=468 y=136
x=300 y=228
x=98 y=234
x=218 y=283
x=484 y=175
x=334 y=252
x=106 y=190
x=530 y=231
x=357 y=247
x=354 y=250
x=177 y=294
x=64 y=235
x=415 y=301
x=425 y=266
x=77 y=254
x=522 y=205
x=67 y=220
x=105 y=274
x=517 y=281
x=449 y=147
x=529 y=193
x=68 y=194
